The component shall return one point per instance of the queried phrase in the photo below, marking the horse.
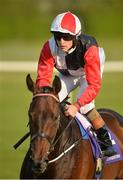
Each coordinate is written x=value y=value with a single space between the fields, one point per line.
x=51 y=154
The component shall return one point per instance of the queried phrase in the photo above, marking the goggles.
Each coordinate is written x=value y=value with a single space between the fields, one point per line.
x=64 y=36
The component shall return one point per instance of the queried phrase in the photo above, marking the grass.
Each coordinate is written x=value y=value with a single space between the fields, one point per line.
x=13 y=110
x=110 y=95
x=21 y=50
x=25 y=25
x=14 y=103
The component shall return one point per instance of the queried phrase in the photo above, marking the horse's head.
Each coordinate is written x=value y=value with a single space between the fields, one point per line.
x=44 y=116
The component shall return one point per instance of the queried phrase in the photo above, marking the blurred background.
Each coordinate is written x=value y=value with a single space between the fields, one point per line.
x=24 y=27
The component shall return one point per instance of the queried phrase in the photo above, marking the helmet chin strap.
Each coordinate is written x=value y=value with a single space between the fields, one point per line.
x=74 y=42
x=73 y=46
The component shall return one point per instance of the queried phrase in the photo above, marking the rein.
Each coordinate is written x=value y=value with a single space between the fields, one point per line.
x=62 y=132
x=69 y=148
x=43 y=135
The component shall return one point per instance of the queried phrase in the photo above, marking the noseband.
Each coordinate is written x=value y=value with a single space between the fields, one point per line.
x=41 y=135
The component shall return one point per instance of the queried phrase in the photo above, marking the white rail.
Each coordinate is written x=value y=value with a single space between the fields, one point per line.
x=26 y=66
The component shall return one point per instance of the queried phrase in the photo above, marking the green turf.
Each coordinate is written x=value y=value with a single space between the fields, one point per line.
x=110 y=95
x=14 y=103
x=30 y=50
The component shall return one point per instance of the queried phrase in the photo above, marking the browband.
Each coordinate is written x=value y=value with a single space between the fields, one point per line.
x=46 y=94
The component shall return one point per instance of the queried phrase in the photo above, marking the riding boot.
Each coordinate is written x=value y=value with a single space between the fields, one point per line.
x=102 y=133
x=105 y=142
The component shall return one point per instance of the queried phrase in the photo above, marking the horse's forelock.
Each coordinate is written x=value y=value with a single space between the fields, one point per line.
x=43 y=89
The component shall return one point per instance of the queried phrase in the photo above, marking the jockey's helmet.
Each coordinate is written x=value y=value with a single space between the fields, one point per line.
x=66 y=23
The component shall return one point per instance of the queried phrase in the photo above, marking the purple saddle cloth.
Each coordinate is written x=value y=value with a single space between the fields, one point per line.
x=88 y=134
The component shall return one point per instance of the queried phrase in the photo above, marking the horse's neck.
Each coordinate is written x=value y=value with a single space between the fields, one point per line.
x=69 y=132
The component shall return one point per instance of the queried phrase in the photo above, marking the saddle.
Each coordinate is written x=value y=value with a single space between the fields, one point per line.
x=87 y=132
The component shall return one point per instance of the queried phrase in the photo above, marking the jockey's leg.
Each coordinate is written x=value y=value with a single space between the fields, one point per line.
x=102 y=132
x=97 y=122
x=68 y=84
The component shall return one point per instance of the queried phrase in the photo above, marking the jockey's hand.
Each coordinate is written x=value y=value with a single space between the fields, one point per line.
x=71 y=110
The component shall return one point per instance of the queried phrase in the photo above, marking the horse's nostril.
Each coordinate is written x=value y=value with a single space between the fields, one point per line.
x=37 y=164
x=36 y=167
x=46 y=161
x=39 y=167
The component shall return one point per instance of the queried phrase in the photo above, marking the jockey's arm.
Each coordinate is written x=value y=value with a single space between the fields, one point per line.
x=93 y=77
x=45 y=67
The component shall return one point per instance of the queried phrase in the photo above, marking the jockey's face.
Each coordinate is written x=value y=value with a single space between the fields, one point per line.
x=64 y=40
x=65 y=45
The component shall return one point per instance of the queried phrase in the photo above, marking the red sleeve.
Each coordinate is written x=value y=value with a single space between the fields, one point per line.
x=45 y=67
x=93 y=76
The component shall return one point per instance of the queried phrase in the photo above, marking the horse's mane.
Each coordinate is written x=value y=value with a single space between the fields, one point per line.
x=71 y=133
x=44 y=89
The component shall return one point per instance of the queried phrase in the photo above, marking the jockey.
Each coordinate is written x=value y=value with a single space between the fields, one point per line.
x=80 y=62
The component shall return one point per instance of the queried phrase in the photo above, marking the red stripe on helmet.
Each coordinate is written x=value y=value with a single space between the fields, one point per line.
x=69 y=23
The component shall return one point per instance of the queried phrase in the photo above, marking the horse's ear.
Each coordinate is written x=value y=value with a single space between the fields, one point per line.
x=56 y=84
x=30 y=83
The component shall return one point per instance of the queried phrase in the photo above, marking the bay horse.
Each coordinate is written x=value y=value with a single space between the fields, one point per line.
x=51 y=154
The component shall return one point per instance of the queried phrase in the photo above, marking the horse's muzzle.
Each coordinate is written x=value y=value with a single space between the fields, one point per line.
x=39 y=167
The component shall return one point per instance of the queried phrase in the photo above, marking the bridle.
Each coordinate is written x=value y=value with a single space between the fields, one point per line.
x=46 y=94
x=45 y=136
x=42 y=134
x=51 y=141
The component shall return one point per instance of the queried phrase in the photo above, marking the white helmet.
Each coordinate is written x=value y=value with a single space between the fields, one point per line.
x=66 y=23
